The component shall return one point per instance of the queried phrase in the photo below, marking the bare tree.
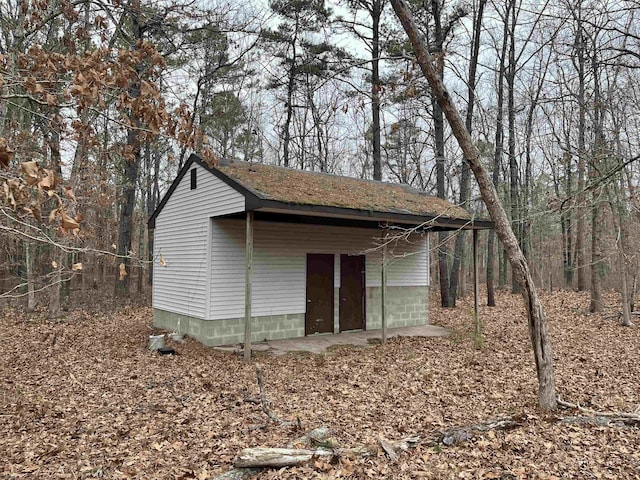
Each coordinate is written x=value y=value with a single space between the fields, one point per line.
x=466 y=173
x=498 y=152
x=537 y=322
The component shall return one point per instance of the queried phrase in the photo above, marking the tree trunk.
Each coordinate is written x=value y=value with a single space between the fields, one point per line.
x=83 y=278
x=140 y=264
x=438 y=127
x=28 y=257
x=599 y=152
x=624 y=288
x=566 y=224
x=66 y=283
x=286 y=140
x=291 y=85
x=502 y=274
x=458 y=255
x=596 y=304
x=376 y=12
x=491 y=261
x=132 y=158
x=539 y=335
x=317 y=127
x=132 y=163
x=511 y=116
x=155 y=200
x=54 y=292
x=497 y=162
x=81 y=153
x=580 y=261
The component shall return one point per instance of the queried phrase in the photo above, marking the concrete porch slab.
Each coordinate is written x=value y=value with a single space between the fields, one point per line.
x=319 y=343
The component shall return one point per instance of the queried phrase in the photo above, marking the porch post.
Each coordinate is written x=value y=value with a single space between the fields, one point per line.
x=475 y=283
x=383 y=282
x=247 y=286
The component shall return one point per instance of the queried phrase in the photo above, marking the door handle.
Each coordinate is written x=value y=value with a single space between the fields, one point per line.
x=308 y=300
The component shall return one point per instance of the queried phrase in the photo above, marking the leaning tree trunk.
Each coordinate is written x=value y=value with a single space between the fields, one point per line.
x=539 y=335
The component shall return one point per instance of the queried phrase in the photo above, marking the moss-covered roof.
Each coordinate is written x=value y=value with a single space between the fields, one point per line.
x=300 y=187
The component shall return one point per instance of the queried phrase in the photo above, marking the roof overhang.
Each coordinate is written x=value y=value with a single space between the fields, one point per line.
x=275 y=210
x=345 y=216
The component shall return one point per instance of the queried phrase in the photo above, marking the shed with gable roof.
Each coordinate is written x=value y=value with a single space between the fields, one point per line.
x=294 y=252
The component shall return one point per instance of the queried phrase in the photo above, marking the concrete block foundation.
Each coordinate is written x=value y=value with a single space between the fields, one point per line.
x=231 y=330
x=406 y=307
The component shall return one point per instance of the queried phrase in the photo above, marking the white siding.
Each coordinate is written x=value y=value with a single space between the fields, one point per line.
x=408 y=263
x=181 y=238
x=279 y=266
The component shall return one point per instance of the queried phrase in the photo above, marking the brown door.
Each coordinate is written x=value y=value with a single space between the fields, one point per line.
x=352 y=297
x=319 y=315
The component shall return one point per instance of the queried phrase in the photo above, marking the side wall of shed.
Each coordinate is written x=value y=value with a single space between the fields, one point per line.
x=181 y=243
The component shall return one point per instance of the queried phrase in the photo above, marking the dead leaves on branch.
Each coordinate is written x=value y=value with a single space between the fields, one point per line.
x=95 y=77
x=64 y=87
x=122 y=272
x=38 y=188
x=95 y=80
x=6 y=153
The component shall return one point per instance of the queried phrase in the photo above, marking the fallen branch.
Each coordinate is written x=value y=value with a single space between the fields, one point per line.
x=314 y=437
x=598 y=417
x=264 y=402
x=265 y=457
x=598 y=421
x=618 y=316
x=457 y=435
x=237 y=474
x=276 y=457
x=388 y=448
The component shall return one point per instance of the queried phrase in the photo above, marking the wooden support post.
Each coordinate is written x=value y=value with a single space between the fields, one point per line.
x=247 y=286
x=383 y=299
x=476 y=313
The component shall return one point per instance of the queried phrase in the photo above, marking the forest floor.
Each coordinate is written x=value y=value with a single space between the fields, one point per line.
x=84 y=398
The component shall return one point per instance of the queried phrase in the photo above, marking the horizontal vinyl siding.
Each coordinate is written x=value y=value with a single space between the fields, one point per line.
x=408 y=263
x=181 y=238
x=279 y=264
x=227 y=269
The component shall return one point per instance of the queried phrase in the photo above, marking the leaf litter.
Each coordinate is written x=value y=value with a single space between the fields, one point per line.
x=84 y=398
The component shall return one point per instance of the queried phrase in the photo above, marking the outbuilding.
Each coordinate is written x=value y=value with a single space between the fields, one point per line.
x=296 y=252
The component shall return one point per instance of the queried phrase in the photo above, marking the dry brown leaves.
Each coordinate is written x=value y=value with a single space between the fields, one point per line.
x=83 y=398
x=37 y=189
